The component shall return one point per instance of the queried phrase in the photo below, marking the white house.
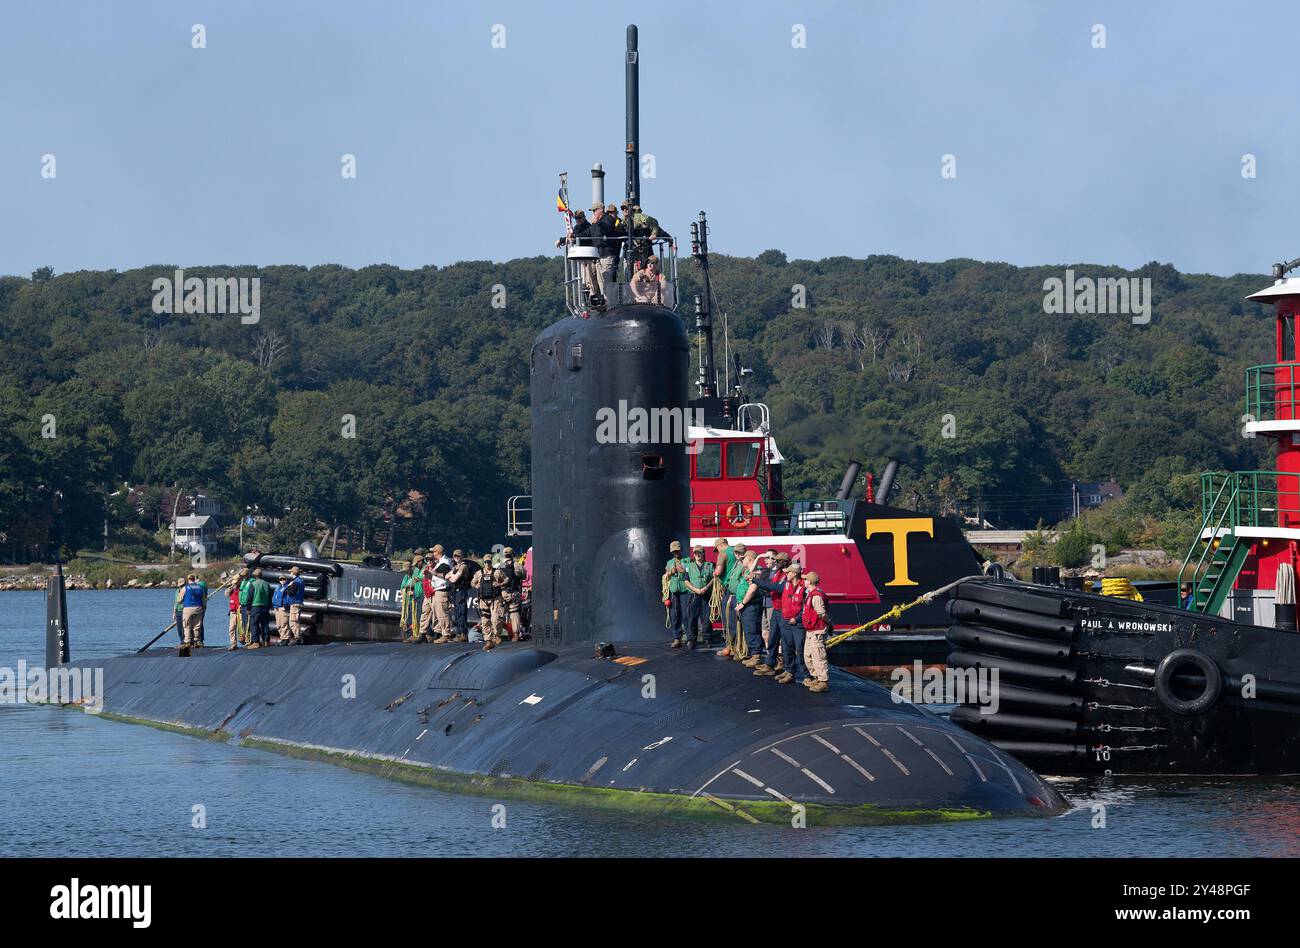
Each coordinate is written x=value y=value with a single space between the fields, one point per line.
x=188 y=532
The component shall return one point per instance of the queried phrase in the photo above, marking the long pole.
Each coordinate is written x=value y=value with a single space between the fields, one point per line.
x=173 y=625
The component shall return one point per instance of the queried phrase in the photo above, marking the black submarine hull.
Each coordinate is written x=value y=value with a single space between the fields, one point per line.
x=677 y=733
x=1101 y=685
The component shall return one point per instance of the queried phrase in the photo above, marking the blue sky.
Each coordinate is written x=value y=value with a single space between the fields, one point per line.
x=231 y=154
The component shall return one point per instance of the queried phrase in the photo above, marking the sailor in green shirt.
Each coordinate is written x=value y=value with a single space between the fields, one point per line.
x=699 y=586
x=259 y=610
x=675 y=586
x=413 y=585
x=244 y=579
x=724 y=571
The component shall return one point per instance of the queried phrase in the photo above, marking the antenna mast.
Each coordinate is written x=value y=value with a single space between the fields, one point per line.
x=708 y=381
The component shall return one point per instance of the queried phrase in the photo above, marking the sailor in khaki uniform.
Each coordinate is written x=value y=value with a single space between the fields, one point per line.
x=508 y=585
x=816 y=624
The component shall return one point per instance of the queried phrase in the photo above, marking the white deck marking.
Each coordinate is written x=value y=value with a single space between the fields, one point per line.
x=897 y=763
x=726 y=769
x=422 y=733
x=885 y=750
x=779 y=795
x=754 y=780
x=969 y=759
x=858 y=767
x=825 y=743
x=629 y=764
x=659 y=743
x=874 y=742
x=1014 y=782
x=816 y=779
x=729 y=808
x=939 y=762
x=792 y=737
x=909 y=734
x=785 y=757
x=531 y=699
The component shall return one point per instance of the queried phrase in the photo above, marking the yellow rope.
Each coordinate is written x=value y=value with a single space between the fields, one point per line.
x=1121 y=588
x=664 y=597
x=897 y=611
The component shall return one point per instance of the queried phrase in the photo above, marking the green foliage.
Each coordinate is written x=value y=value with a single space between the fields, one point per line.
x=1074 y=546
x=952 y=367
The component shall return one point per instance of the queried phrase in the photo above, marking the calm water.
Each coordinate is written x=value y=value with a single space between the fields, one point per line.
x=76 y=785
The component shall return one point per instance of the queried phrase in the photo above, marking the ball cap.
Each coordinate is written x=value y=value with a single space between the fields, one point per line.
x=812 y=577
x=794 y=569
x=457 y=552
x=675 y=546
x=508 y=551
x=741 y=548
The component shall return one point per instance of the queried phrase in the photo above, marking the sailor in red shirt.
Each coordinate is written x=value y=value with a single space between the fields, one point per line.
x=234 y=616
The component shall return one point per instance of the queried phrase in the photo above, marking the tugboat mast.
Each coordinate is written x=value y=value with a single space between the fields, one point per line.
x=708 y=381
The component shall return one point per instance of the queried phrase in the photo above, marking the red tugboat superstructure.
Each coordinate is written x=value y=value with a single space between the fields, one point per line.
x=1245 y=558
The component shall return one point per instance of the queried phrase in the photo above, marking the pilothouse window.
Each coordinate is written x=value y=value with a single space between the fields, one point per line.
x=742 y=458
x=708 y=463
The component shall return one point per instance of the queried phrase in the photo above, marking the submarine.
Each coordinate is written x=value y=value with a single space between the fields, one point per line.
x=595 y=708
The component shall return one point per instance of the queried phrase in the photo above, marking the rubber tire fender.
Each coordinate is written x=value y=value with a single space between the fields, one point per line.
x=1171 y=664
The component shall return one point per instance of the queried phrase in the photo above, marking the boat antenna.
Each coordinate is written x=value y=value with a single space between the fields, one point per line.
x=632 y=188
x=708 y=381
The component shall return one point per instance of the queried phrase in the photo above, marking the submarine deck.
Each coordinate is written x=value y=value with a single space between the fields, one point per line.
x=670 y=729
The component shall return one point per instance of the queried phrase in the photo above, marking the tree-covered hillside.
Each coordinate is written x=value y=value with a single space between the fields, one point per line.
x=884 y=355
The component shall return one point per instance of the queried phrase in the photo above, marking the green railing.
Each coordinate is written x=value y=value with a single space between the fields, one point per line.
x=1271 y=391
x=1230 y=500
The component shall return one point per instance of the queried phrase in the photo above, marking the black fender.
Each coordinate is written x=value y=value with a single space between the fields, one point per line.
x=1185 y=659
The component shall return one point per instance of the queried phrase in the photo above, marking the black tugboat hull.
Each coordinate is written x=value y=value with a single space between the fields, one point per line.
x=673 y=732
x=1095 y=684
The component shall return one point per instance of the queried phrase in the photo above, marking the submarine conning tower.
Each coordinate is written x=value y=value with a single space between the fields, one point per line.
x=611 y=478
x=608 y=498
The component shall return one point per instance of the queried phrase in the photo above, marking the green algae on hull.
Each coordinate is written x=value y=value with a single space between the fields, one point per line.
x=702 y=806
x=682 y=805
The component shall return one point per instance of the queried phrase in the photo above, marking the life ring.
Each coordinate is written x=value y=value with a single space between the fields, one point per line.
x=736 y=517
x=1185 y=659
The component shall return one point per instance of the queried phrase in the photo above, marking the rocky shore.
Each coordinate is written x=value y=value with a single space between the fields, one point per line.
x=26 y=582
